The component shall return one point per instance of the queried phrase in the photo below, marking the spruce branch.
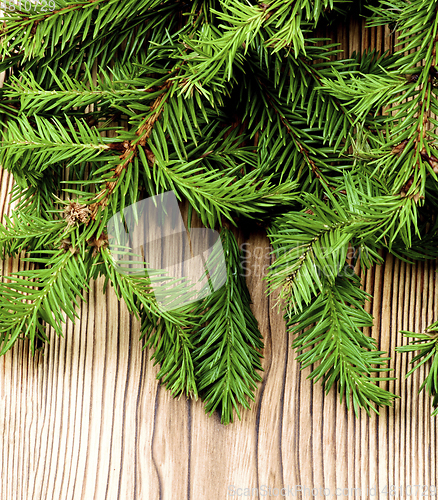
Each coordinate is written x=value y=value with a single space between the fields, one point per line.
x=130 y=148
x=30 y=297
x=53 y=141
x=171 y=334
x=227 y=353
x=426 y=345
x=408 y=154
x=329 y=335
x=306 y=247
x=69 y=92
x=40 y=31
x=311 y=246
x=20 y=231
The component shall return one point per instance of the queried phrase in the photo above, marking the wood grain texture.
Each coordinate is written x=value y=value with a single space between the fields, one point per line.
x=86 y=419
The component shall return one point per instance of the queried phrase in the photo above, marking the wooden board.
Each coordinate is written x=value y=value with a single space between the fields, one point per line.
x=87 y=419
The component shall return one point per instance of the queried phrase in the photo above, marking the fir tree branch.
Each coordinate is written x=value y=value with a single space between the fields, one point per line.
x=69 y=92
x=408 y=154
x=173 y=349
x=334 y=341
x=55 y=143
x=36 y=33
x=170 y=333
x=20 y=231
x=25 y=304
x=426 y=344
x=130 y=147
x=227 y=355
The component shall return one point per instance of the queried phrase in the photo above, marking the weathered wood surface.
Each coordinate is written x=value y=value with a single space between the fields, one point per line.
x=87 y=419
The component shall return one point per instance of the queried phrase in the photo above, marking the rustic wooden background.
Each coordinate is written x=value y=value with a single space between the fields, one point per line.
x=87 y=419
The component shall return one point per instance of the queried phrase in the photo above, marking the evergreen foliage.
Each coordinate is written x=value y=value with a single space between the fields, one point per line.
x=245 y=113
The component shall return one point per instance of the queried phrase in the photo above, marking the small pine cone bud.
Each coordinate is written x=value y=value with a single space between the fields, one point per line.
x=264 y=7
x=98 y=243
x=412 y=78
x=75 y=212
x=66 y=245
x=117 y=146
x=434 y=165
x=399 y=148
x=150 y=157
x=406 y=187
x=417 y=197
